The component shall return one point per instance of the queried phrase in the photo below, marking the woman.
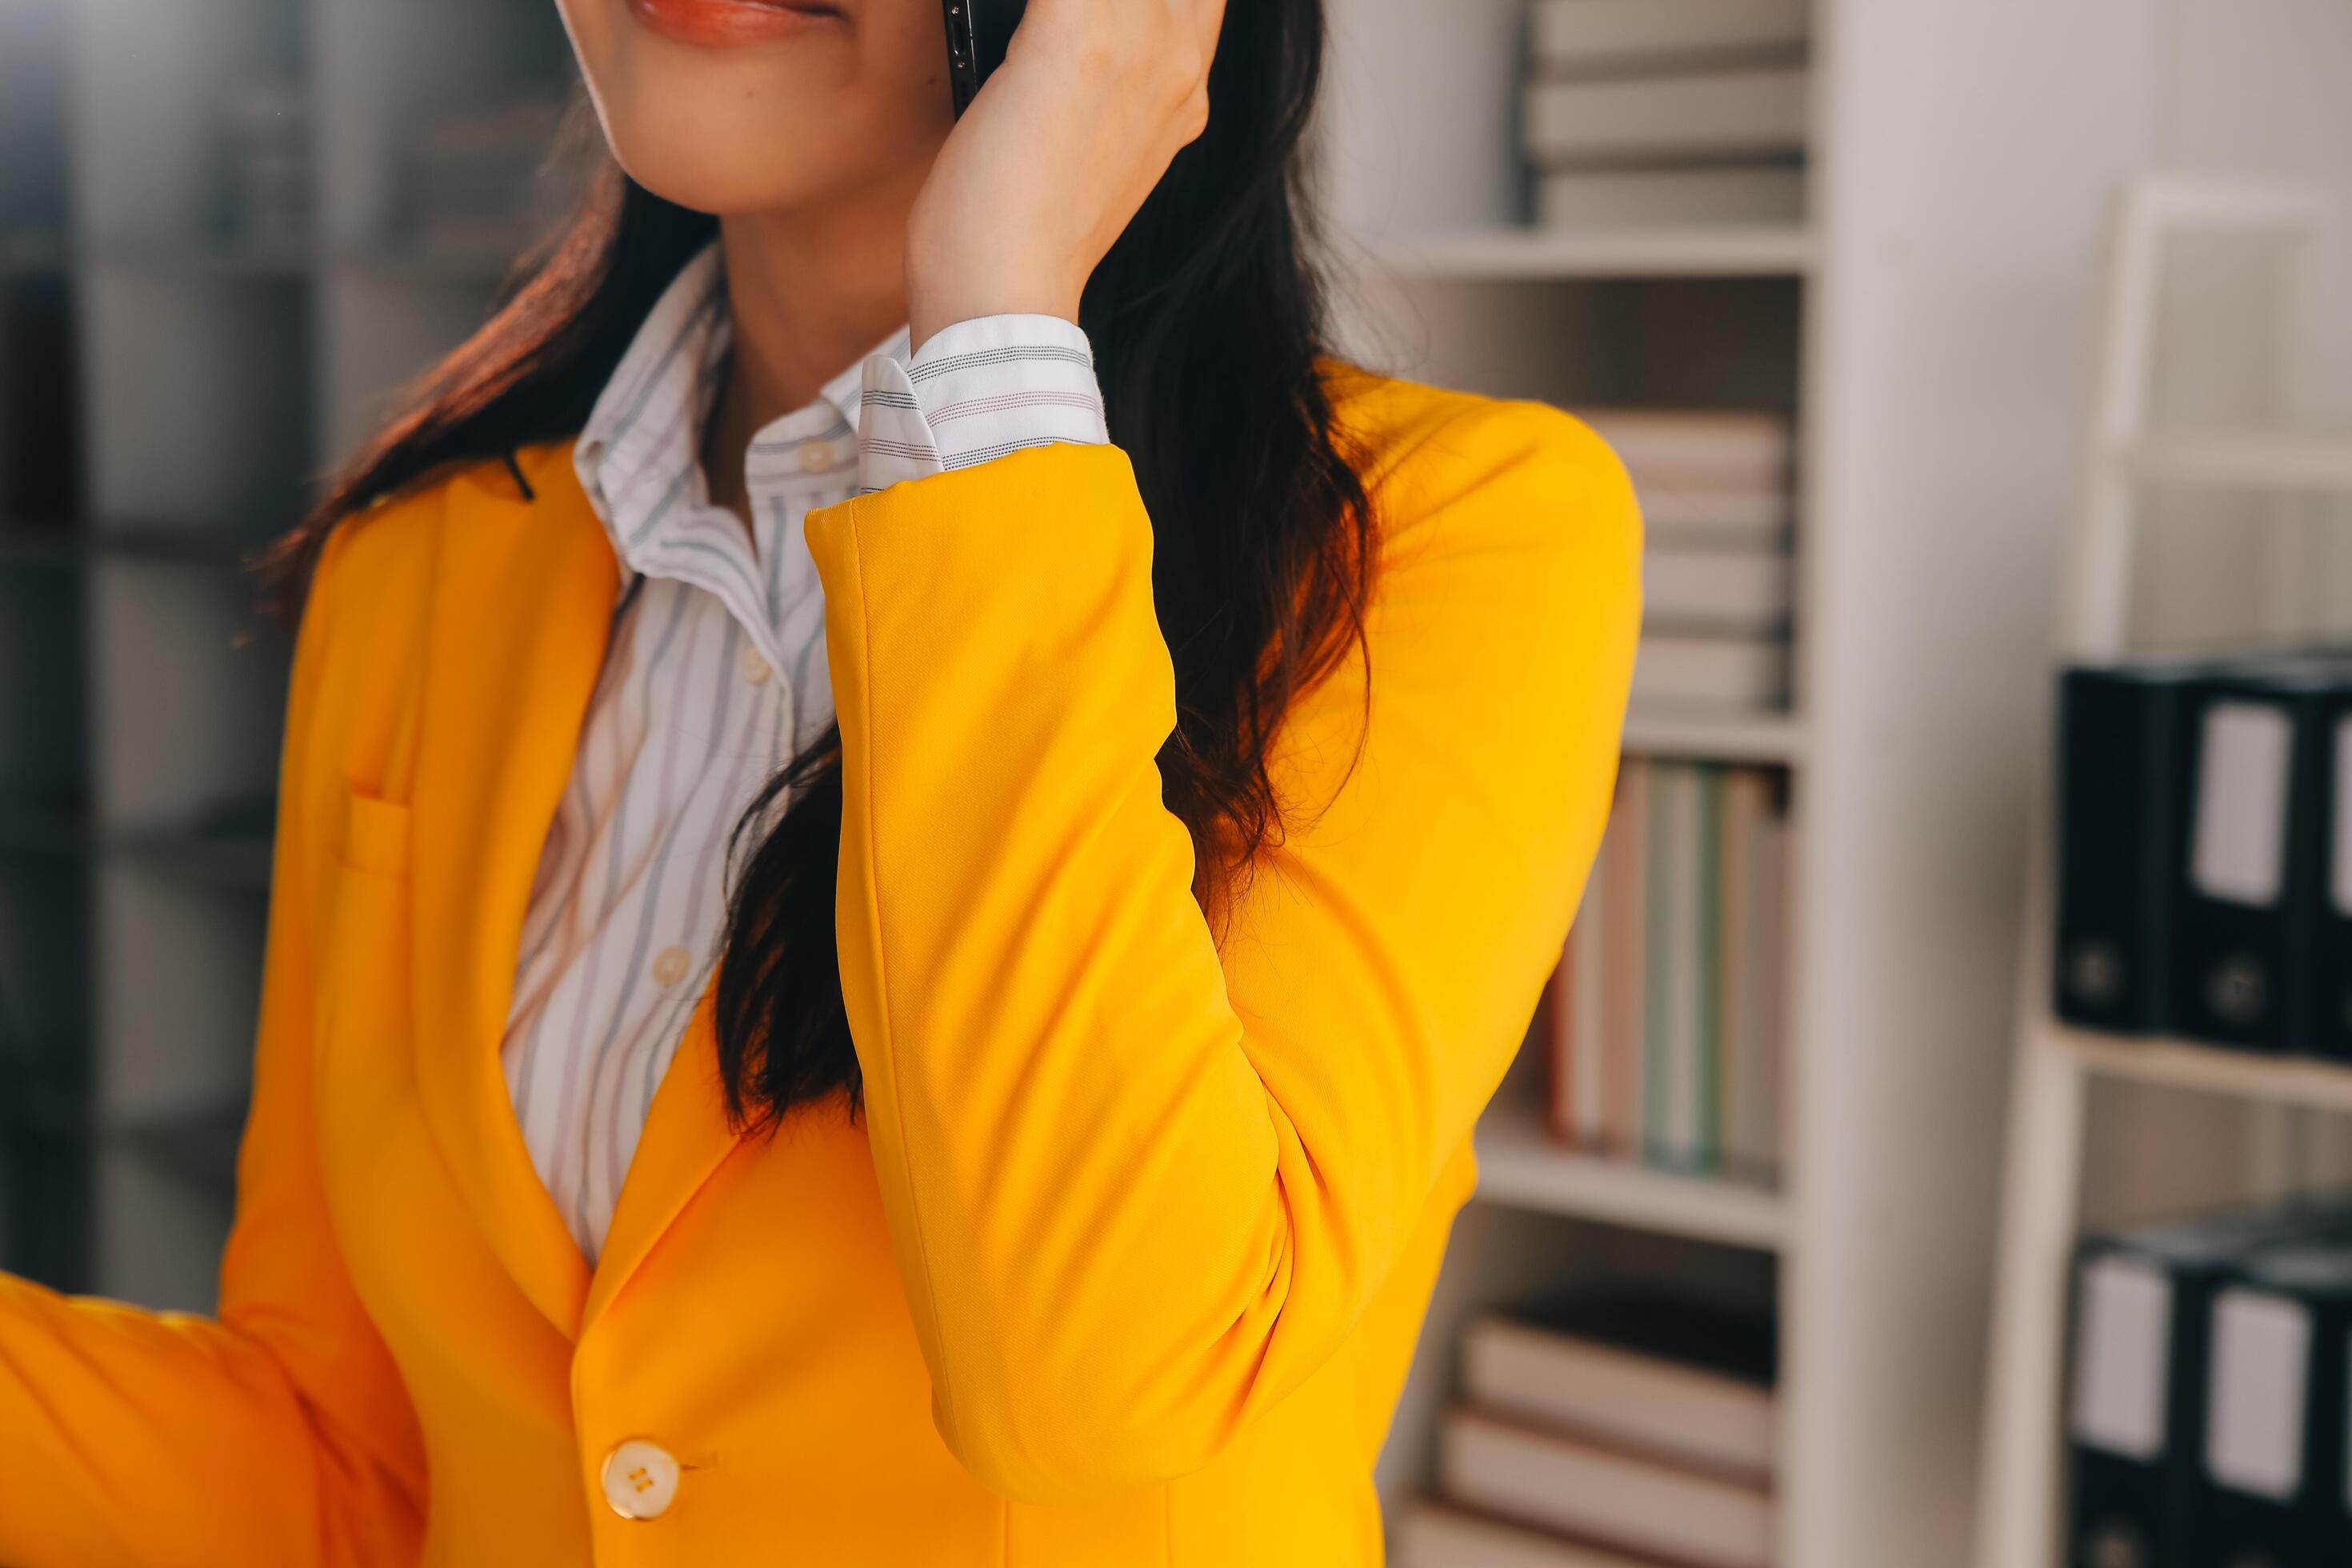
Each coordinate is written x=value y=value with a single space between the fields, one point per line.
x=868 y=966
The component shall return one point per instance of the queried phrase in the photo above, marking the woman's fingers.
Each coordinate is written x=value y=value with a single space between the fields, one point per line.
x=1050 y=165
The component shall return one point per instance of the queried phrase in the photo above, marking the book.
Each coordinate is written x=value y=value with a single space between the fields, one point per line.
x=2329 y=1005
x=1624 y=853
x=1665 y=1032
x=2273 y=1475
x=1612 y=1498
x=1714 y=114
x=1615 y=199
x=1575 y=1016
x=2140 y=1368
x=2117 y=821
x=1709 y=450
x=1586 y=35
x=1431 y=1536
x=1679 y=516
x=1730 y=672
x=1676 y=975
x=1654 y=1374
x=2245 y=863
x=1754 y=955
x=1704 y=591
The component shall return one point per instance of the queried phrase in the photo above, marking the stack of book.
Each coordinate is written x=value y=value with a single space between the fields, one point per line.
x=1664 y=1017
x=2205 y=850
x=270 y=161
x=1618 y=1431
x=486 y=180
x=1719 y=510
x=2207 y=1412
x=1663 y=112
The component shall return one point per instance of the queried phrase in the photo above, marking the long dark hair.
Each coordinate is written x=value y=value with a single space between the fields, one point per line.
x=1208 y=325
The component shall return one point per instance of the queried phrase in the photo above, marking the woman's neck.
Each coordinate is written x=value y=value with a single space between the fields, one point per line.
x=810 y=293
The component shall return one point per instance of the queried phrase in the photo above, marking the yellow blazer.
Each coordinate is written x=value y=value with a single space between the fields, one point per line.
x=1126 y=1261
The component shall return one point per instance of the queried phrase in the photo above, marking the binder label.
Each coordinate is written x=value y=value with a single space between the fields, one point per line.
x=2239 y=855
x=2255 y=1398
x=2123 y=1346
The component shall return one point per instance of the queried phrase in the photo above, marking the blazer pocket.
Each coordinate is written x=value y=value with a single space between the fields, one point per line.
x=375 y=836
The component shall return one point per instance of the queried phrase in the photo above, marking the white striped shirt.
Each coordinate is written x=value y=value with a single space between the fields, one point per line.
x=714 y=678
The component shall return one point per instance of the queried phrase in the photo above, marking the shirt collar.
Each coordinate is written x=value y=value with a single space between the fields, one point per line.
x=639 y=456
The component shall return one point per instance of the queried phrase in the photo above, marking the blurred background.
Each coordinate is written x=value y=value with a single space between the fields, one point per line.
x=1848 y=284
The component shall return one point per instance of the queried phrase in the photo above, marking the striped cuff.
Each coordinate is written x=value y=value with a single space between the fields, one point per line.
x=977 y=391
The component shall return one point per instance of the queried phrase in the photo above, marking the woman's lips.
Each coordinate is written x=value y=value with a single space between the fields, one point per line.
x=719 y=22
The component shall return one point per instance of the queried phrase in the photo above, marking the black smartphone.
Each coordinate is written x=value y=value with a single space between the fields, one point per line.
x=978 y=33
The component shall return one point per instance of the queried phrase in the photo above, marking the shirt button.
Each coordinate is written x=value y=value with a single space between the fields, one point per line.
x=817 y=457
x=640 y=1479
x=755 y=669
x=670 y=965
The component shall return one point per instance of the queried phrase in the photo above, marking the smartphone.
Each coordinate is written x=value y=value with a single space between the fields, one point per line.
x=978 y=33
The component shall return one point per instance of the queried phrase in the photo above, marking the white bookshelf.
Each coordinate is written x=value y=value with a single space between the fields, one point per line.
x=1920 y=327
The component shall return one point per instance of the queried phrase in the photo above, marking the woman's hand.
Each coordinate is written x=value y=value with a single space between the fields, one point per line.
x=1093 y=100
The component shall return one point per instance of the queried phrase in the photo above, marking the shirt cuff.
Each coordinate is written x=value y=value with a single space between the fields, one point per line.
x=976 y=392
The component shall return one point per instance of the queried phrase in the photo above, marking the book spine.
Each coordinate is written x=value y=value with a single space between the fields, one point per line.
x=1673 y=1132
x=1657 y=962
x=1767 y=995
x=1556 y=1024
x=2330 y=1005
x=1588 y=1027
x=1707 y=992
x=1623 y=1002
x=1746 y=1150
x=2245 y=866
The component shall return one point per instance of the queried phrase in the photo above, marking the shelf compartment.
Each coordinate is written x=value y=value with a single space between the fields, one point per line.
x=1536 y=254
x=2211 y=1070
x=200 y=389
x=1520 y=1167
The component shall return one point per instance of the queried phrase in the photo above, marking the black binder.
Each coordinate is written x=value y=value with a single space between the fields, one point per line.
x=2329 y=1007
x=2137 y=1404
x=2272 y=1490
x=2119 y=801
x=2246 y=855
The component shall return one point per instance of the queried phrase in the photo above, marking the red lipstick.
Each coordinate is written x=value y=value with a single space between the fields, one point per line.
x=719 y=24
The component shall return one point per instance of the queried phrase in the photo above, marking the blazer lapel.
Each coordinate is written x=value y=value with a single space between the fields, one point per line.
x=686 y=1139
x=522 y=608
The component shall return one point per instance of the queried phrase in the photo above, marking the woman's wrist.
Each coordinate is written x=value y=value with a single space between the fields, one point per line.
x=933 y=306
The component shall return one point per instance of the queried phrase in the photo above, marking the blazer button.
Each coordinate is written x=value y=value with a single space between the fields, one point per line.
x=640 y=1479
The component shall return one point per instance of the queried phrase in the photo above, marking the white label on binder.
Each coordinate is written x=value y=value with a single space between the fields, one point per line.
x=2253 y=1414
x=2342 y=878
x=2123 y=1349
x=2240 y=856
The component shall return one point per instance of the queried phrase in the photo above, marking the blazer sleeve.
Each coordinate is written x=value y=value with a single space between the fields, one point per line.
x=1142 y=1178
x=280 y=1434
